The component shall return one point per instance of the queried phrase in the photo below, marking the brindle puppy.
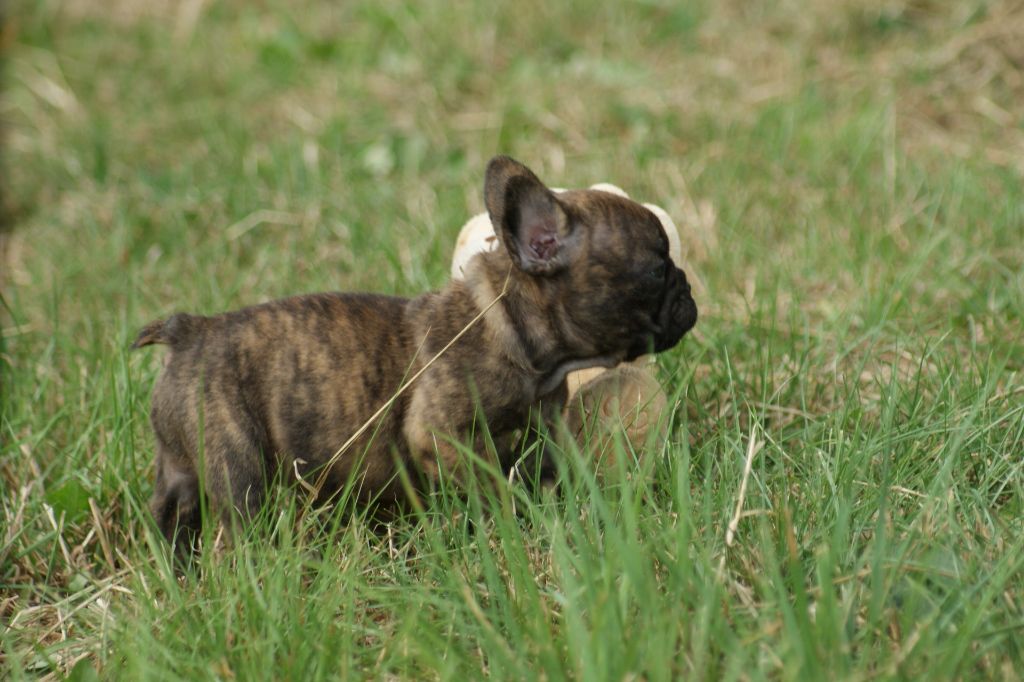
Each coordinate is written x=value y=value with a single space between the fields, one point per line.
x=584 y=279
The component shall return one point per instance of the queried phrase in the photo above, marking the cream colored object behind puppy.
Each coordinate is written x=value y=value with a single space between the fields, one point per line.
x=476 y=236
x=625 y=399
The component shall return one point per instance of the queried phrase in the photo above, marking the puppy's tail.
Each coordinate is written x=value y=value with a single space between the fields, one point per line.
x=170 y=332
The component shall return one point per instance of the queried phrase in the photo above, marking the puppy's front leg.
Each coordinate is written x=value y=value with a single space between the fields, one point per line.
x=539 y=439
x=440 y=410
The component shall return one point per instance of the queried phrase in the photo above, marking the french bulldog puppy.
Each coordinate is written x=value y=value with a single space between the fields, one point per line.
x=583 y=279
x=627 y=399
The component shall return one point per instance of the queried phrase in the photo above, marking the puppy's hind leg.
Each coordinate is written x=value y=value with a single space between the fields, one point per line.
x=236 y=480
x=175 y=501
x=234 y=484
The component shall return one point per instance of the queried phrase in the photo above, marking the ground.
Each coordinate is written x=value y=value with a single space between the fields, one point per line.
x=840 y=496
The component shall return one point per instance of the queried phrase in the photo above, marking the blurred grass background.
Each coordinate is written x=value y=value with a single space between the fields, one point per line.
x=847 y=180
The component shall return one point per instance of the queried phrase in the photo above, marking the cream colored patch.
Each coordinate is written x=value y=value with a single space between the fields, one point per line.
x=675 y=245
x=610 y=188
x=577 y=379
x=476 y=236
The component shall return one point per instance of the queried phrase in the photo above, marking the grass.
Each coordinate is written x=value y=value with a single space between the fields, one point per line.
x=847 y=179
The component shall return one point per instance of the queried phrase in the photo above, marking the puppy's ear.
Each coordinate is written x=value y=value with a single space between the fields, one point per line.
x=527 y=217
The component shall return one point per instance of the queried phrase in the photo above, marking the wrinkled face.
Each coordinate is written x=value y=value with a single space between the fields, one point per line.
x=627 y=292
x=606 y=255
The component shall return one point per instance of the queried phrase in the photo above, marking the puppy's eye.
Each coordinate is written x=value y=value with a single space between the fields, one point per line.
x=657 y=272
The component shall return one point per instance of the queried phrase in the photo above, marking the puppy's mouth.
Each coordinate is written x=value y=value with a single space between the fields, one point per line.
x=676 y=316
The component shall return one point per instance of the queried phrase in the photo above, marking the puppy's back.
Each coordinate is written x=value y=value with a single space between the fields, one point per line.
x=296 y=375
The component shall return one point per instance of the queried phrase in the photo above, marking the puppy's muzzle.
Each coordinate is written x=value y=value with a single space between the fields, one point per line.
x=675 y=316
x=678 y=312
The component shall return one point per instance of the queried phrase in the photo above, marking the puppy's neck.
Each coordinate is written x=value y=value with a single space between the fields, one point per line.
x=499 y=295
x=522 y=323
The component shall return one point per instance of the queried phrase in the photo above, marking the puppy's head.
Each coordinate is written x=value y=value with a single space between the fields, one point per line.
x=603 y=258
